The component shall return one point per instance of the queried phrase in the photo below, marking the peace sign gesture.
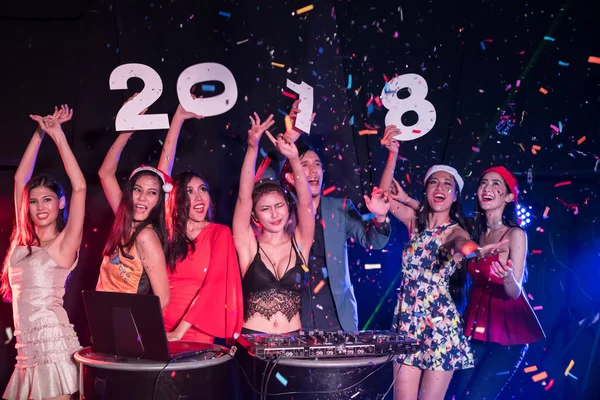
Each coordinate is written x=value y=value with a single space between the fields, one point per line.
x=285 y=146
x=257 y=129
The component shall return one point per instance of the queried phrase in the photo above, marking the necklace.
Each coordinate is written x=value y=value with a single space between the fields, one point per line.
x=495 y=225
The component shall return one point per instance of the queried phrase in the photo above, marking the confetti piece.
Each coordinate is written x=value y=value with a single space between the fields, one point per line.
x=548 y=38
x=546 y=211
x=527 y=370
x=355 y=394
x=304 y=9
x=283 y=92
x=594 y=60
x=518 y=82
x=319 y=286
x=482 y=45
x=475 y=149
x=367 y=132
x=565 y=183
x=480 y=329
x=537 y=308
x=368 y=216
x=9 y=334
x=563 y=64
x=522 y=147
x=568 y=370
x=349 y=81
x=544 y=91
x=305 y=268
x=281 y=379
x=242 y=41
x=560 y=126
x=372 y=266
x=416 y=131
x=327 y=191
x=225 y=14
x=554 y=128
x=288 y=123
x=324 y=272
x=550 y=384
x=530 y=296
x=535 y=148
x=208 y=88
x=278 y=65
x=539 y=377
x=502 y=373
x=573 y=376
x=280 y=111
x=581 y=140
x=536 y=252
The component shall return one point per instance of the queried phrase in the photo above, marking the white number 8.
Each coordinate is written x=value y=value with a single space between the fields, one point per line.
x=417 y=86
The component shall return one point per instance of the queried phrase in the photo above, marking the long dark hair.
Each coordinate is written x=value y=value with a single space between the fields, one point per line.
x=264 y=187
x=178 y=215
x=509 y=219
x=458 y=280
x=26 y=235
x=122 y=236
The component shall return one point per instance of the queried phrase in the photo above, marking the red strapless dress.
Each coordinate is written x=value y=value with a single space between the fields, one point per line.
x=492 y=316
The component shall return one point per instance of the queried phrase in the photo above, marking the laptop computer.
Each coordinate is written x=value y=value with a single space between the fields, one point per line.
x=131 y=325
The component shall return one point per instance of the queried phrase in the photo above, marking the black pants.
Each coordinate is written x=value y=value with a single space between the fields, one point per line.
x=495 y=365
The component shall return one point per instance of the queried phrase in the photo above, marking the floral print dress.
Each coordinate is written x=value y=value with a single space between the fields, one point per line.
x=425 y=310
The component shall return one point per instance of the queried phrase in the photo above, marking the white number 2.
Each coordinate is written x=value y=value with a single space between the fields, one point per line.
x=417 y=86
x=129 y=118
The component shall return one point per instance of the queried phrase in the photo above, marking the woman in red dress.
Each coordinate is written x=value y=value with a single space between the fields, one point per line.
x=499 y=320
x=204 y=276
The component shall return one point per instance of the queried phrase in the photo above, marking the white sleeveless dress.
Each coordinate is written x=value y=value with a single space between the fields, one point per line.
x=46 y=340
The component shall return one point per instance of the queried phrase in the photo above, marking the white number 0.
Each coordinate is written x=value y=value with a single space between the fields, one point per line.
x=416 y=102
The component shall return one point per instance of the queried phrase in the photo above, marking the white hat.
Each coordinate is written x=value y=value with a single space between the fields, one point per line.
x=448 y=169
x=167 y=185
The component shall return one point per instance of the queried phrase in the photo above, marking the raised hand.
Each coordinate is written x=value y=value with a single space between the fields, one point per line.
x=183 y=114
x=378 y=203
x=502 y=271
x=292 y=134
x=388 y=138
x=397 y=193
x=257 y=129
x=64 y=114
x=286 y=147
x=491 y=249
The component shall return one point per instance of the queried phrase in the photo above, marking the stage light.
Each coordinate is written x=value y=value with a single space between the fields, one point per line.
x=523 y=215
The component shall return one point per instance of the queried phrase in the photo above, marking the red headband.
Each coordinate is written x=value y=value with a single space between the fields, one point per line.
x=508 y=177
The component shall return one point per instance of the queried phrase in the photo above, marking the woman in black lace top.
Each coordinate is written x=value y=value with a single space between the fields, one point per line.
x=272 y=236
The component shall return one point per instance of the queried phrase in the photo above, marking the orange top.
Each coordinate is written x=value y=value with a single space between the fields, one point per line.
x=123 y=273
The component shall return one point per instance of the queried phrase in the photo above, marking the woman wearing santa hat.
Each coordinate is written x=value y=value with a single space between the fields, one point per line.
x=134 y=256
x=499 y=320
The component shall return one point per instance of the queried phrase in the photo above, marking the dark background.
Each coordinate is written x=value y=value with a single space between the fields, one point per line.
x=469 y=52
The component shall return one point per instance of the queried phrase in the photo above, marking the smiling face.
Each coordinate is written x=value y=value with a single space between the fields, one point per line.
x=44 y=206
x=199 y=199
x=440 y=191
x=271 y=211
x=492 y=192
x=145 y=196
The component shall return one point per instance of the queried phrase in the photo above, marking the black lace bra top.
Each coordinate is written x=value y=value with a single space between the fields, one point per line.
x=267 y=295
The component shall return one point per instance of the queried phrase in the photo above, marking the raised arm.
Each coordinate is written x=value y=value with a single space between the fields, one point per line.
x=403 y=206
x=108 y=169
x=305 y=230
x=151 y=253
x=73 y=231
x=27 y=164
x=167 y=157
x=242 y=230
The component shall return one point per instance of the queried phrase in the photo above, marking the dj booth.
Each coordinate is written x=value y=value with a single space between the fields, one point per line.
x=131 y=359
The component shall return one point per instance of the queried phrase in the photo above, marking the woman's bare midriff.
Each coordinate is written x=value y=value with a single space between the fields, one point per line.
x=277 y=324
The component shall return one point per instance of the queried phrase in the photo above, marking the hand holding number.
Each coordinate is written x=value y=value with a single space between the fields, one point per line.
x=388 y=138
x=294 y=133
x=257 y=129
x=183 y=114
x=502 y=271
x=378 y=203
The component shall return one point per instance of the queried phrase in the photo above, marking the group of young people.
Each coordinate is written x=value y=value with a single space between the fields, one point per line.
x=282 y=267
